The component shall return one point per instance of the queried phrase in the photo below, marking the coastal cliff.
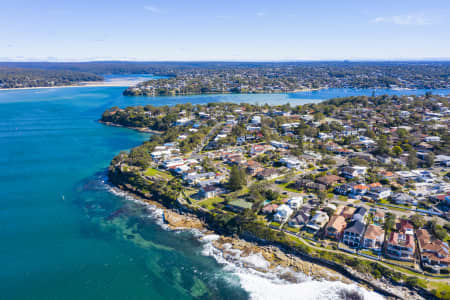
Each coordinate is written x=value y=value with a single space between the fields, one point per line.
x=279 y=252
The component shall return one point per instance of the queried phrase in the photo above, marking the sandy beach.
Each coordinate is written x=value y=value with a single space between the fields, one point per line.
x=114 y=83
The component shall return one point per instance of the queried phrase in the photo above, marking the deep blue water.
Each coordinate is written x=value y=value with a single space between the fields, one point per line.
x=63 y=234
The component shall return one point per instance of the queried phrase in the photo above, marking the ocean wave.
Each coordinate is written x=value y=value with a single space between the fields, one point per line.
x=253 y=270
x=262 y=283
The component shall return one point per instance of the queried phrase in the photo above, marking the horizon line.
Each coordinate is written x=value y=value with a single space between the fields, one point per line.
x=437 y=59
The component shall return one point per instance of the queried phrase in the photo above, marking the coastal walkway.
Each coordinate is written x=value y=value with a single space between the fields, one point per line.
x=394 y=268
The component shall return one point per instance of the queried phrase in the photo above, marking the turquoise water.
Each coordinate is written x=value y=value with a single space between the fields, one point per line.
x=63 y=234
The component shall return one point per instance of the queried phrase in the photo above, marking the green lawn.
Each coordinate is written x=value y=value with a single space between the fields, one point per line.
x=292 y=229
x=342 y=198
x=284 y=187
x=276 y=224
x=209 y=203
x=155 y=172
x=399 y=262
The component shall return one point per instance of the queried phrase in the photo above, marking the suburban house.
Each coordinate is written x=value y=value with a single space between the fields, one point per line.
x=301 y=217
x=295 y=202
x=360 y=189
x=434 y=252
x=400 y=246
x=378 y=217
x=353 y=234
x=373 y=237
x=283 y=213
x=254 y=167
x=270 y=209
x=404 y=226
x=403 y=199
x=268 y=174
x=379 y=192
x=335 y=227
x=360 y=214
x=343 y=189
x=352 y=172
x=318 y=221
x=208 y=191
x=292 y=162
x=346 y=211
x=330 y=180
x=309 y=185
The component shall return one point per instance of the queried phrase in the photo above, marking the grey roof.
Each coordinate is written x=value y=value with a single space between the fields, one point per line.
x=360 y=211
x=300 y=218
x=356 y=227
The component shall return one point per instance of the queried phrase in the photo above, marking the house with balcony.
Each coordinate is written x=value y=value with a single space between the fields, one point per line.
x=373 y=238
x=379 y=192
x=400 y=246
x=318 y=221
x=353 y=172
x=283 y=213
x=434 y=252
x=295 y=202
x=335 y=227
x=353 y=234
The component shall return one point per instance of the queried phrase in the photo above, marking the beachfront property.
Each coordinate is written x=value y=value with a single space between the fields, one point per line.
x=434 y=253
x=373 y=238
x=318 y=221
x=353 y=234
x=283 y=213
x=335 y=227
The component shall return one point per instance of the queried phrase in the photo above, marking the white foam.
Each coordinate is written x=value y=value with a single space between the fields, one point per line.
x=269 y=285
x=260 y=285
x=256 y=260
x=263 y=288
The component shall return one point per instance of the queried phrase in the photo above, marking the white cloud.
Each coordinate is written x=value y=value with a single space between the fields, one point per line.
x=412 y=19
x=152 y=9
x=260 y=14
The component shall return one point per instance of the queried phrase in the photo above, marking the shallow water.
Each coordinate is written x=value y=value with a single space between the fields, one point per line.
x=64 y=235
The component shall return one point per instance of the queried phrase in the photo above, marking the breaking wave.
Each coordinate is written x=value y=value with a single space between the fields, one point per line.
x=254 y=274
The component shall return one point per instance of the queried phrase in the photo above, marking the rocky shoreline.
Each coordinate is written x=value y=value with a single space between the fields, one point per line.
x=274 y=256
x=140 y=129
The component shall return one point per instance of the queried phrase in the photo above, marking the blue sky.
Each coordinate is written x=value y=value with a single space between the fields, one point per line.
x=224 y=29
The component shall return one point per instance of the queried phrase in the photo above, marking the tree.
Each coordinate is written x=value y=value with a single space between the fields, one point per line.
x=417 y=220
x=389 y=222
x=237 y=179
x=208 y=165
x=139 y=157
x=382 y=146
x=412 y=159
x=412 y=282
x=429 y=160
x=397 y=150
x=322 y=196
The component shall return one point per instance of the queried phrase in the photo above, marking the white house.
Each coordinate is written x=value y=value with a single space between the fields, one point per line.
x=283 y=213
x=277 y=144
x=295 y=202
x=318 y=221
x=182 y=122
x=429 y=139
x=292 y=162
x=256 y=120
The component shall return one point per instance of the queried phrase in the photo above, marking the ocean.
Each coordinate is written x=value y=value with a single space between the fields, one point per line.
x=66 y=235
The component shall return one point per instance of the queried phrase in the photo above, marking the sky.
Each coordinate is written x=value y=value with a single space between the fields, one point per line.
x=250 y=30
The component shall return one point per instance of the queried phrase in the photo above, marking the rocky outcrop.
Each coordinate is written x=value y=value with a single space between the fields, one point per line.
x=182 y=221
x=275 y=259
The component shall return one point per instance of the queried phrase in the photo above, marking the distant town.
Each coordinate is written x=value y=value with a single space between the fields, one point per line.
x=360 y=181
x=294 y=77
x=184 y=78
